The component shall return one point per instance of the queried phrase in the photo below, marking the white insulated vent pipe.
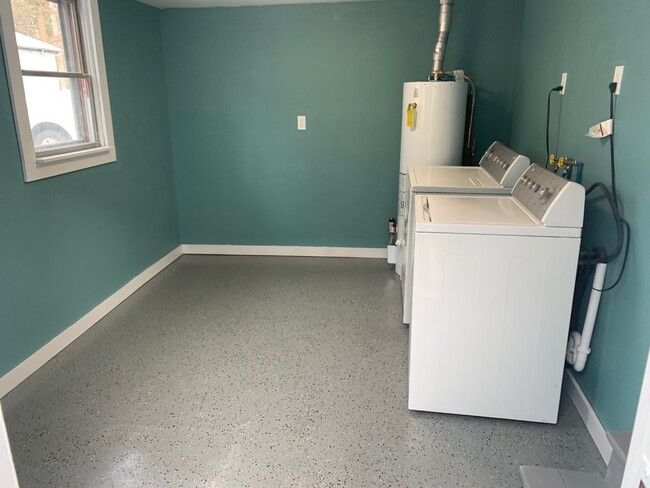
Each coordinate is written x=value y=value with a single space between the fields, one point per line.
x=446 y=9
x=578 y=347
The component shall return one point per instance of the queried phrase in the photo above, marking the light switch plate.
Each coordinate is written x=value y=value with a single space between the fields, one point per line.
x=302 y=122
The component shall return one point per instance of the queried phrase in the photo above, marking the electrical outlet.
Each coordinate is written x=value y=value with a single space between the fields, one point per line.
x=302 y=122
x=563 y=82
x=618 y=79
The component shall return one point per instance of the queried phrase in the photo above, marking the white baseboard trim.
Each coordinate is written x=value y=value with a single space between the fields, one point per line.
x=588 y=415
x=25 y=369
x=303 y=251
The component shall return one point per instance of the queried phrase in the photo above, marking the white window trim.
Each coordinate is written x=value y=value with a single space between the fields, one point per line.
x=35 y=167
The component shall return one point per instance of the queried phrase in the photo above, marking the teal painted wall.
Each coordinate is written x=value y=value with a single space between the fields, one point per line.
x=237 y=78
x=587 y=38
x=67 y=243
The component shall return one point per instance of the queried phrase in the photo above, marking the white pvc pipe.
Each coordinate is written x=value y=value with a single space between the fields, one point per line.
x=571 y=349
x=578 y=348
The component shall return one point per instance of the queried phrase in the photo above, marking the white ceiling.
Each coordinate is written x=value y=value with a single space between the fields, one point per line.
x=229 y=3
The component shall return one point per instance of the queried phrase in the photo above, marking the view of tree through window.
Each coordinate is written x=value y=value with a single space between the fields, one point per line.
x=39 y=19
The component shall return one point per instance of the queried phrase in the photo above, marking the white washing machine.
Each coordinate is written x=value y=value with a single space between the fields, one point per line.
x=499 y=170
x=492 y=293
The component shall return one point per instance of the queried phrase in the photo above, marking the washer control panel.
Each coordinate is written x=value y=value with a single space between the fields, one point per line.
x=503 y=164
x=550 y=198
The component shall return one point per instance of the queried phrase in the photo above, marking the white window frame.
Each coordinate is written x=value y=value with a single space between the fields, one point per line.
x=37 y=167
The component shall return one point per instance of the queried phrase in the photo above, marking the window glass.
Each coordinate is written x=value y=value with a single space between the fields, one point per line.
x=47 y=35
x=60 y=107
x=60 y=111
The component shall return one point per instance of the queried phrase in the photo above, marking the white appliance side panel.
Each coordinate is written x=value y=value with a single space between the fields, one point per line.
x=407 y=273
x=437 y=136
x=8 y=478
x=489 y=324
x=522 y=337
x=402 y=209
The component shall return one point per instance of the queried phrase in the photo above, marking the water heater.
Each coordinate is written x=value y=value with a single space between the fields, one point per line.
x=433 y=123
x=433 y=128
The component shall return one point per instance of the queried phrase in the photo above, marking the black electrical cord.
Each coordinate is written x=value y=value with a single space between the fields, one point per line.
x=613 y=202
x=612 y=160
x=548 y=121
x=617 y=219
x=625 y=255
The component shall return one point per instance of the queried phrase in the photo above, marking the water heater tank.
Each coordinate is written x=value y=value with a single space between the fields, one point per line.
x=433 y=123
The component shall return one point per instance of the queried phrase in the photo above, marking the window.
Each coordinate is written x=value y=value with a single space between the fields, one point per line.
x=55 y=64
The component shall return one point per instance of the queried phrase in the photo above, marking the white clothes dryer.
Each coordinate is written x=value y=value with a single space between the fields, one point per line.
x=492 y=292
x=499 y=170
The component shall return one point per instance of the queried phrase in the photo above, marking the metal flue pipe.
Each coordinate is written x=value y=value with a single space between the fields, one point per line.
x=446 y=10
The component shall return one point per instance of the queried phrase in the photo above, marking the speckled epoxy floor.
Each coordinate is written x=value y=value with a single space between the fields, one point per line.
x=261 y=372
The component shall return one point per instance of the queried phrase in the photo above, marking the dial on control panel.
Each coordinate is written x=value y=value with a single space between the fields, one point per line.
x=545 y=194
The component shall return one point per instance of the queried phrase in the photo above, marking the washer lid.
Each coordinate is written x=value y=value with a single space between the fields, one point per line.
x=454 y=179
x=480 y=214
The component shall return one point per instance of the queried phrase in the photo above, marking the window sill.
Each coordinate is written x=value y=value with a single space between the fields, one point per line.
x=54 y=165
x=74 y=156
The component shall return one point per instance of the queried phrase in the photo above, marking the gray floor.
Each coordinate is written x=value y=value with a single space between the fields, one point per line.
x=261 y=372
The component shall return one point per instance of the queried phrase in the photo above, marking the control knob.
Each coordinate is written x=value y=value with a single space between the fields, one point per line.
x=545 y=194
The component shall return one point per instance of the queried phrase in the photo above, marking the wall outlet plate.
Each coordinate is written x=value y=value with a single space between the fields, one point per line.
x=563 y=82
x=618 y=78
x=302 y=122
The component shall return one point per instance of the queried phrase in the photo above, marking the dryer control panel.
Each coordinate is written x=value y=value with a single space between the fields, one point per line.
x=555 y=201
x=503 y=164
